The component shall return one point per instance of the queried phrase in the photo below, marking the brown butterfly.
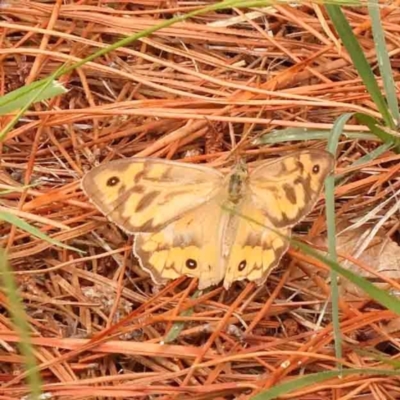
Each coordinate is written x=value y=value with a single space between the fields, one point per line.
x=188 y=219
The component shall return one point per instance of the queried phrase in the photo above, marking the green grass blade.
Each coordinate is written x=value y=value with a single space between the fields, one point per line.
x=308 y=380
x=379 y=295
x=373 y=126
x=21 y=224
x=302 y=134
x=177 y=327
x=377 y=355
x=34 y=92
x=372 y=155
x=16 y=189
x=333 y=141
x=382 y=54
x=360 y=62
x=20 y=321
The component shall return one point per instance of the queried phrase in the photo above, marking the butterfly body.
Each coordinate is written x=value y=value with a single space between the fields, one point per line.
x=193 y=220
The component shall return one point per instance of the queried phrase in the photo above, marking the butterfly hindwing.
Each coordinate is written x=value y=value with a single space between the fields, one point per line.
x=188 y=246
x=255 y=250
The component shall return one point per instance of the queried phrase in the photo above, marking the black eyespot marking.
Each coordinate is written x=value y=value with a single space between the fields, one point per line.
x=114 y=180
x=191 y=264
x=316 y=169
x=242 y=265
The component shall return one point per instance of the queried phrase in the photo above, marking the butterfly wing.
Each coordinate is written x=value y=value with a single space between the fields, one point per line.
x=145 y=194
x=255 y=250
x=281 y=193
x=189 y=246
x=287 y=189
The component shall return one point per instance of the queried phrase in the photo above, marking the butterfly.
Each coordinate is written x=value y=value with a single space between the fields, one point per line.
x=194 y=220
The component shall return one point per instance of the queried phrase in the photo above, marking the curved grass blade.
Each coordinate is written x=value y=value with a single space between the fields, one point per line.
x=333 y=141
x=379 y=295
x=374 y=127
x=308 y=380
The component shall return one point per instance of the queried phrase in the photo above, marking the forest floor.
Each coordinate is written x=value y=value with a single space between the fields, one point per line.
x=255 y=83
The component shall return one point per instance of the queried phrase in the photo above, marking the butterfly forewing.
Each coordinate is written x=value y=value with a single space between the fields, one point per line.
x=288 y=188
x=144 y=195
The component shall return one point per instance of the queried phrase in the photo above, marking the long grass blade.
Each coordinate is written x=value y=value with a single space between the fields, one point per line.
x=16 y=309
